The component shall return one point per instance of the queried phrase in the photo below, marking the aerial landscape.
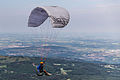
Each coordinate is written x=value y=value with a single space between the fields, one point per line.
x=54 y=40
x=83 y=58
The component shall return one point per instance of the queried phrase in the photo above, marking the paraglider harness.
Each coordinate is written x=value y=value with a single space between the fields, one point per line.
x=40 y=71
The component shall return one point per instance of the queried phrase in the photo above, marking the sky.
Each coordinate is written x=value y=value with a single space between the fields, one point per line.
x=87 y=16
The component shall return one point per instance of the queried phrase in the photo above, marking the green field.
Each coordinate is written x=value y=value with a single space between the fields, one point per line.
x=20 y=68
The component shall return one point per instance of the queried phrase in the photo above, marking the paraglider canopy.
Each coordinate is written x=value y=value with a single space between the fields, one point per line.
x=59 y=16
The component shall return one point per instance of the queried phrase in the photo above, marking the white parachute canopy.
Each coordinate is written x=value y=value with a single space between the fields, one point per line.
x=59 y=16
